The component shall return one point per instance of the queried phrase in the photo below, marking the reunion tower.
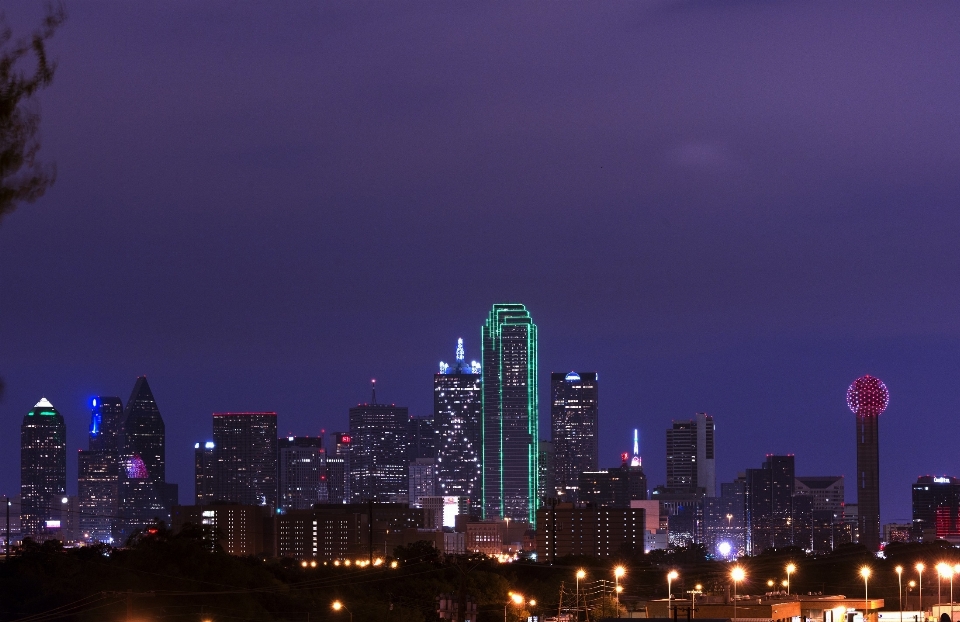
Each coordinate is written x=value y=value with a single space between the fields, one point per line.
x=867 y=397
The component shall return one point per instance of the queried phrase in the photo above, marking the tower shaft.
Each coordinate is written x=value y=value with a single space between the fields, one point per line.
x=868 y=481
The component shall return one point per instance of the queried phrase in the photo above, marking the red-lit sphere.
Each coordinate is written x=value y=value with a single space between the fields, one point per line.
x=868 y=396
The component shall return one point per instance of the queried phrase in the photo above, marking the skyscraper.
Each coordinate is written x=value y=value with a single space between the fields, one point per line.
x=144 y=493
x=422 y=438
x=43 y=466
x=422 y=481
x=936 y=508
x=456 y=414
x=204 y=473
x=690 y=458
x=378 y=451
x=98 y=472
x=510 y=433
x=573 y=419
x=867 y=397
x=302 y=469
x=245 y=452
x=769 y=504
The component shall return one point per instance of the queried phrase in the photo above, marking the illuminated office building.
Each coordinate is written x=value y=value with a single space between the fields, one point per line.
x=144 y=494
x=690 y=458
x=573 y=419
x=303 y=462
x=510 y=432
x=936 y=508
x=378 y=451
x=204 y=473
x=245 y=452
x=456 y=413
x=43 y=467
x=98 y=472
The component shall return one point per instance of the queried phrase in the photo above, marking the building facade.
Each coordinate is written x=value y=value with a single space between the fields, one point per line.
x=98 y=471
x=43 y=468
x=510 y=428
x=204 y=473
x=422 y=481
x=691 y=463
x=245 y=453
x=378 y=451
x=574 y=425
x=936 y=507
x=601 y=532
x=456 y=412
x=303 y=468
x=145 y=496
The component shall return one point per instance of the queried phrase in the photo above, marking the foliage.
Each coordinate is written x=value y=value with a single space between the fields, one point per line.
x=22 y=177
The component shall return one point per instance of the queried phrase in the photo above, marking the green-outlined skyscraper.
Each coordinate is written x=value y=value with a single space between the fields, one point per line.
x=510 y=435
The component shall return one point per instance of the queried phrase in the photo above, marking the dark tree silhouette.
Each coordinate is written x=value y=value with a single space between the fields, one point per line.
x=24 y=70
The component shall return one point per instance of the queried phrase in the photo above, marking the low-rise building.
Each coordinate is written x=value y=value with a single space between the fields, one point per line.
x=565 y=529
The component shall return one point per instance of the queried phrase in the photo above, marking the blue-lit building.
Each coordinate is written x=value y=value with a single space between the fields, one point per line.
x=98 y=471
x=457 y=405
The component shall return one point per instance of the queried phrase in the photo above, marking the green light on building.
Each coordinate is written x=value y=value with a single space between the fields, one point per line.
x=510 y=409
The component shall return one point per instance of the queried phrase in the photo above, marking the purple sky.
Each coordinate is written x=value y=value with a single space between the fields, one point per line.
x=732 y=207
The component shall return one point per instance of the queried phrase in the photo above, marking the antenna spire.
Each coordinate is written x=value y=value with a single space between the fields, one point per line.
x=460 y=350
x=636 y=442
x=373 y=383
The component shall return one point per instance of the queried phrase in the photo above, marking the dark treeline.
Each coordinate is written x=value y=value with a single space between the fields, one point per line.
x=162 y=576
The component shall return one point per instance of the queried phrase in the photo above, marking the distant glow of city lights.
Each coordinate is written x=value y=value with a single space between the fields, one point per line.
x=868 y=396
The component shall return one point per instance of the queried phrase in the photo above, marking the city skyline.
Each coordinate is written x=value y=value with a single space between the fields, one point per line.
x=142 y=399
x=712 y=216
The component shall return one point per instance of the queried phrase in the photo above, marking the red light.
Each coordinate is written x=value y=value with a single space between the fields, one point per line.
x=868 y=396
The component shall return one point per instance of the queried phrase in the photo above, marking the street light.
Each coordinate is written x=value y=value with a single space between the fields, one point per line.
x=942 y=570
x=618 y=572
x=580 y=575
x=673 y=574
x=517 y=599
x=337 y=606
x=920 y=568
x=899 y=570
x=737 y=574
x=790 y=569
x=697 y=589
x=865 y=573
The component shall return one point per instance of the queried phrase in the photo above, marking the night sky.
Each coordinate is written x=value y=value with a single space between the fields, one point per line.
x=730 y=207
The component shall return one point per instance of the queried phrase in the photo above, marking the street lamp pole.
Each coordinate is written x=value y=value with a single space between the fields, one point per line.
x=580 y=574
x=618 y=572
x=899 y=570
x=737 y=574
x=337 y=606
x=673 y=574
x=790 y=568
x=920 y=568
x=865 y=573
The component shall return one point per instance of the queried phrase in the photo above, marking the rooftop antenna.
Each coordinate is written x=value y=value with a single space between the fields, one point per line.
x=373 y=383
x=636 y=442
x=460 y=350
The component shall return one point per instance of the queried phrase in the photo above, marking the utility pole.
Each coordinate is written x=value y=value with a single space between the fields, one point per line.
x=7 y=543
